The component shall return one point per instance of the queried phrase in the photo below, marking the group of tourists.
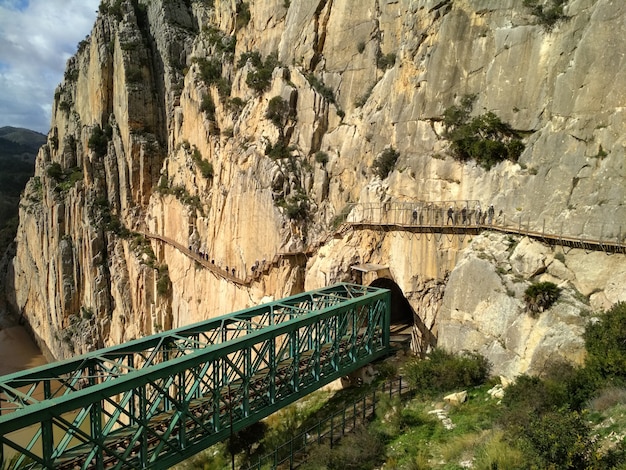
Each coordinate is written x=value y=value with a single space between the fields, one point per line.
x=480 y=217
x=432 y=214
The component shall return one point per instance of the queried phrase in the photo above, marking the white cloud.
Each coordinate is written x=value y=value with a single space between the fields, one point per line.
x=36 y=39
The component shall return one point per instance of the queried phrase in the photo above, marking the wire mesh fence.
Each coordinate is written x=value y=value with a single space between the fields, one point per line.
x=332 y=428
x=435 y=216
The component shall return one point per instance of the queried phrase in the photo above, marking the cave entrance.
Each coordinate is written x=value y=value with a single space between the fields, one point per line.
x=401 y=310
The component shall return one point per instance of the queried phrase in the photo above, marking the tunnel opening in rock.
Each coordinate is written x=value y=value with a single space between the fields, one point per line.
x=401 y=310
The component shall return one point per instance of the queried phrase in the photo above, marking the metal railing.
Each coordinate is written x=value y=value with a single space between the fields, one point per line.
x=469 y=217
x=332 y=428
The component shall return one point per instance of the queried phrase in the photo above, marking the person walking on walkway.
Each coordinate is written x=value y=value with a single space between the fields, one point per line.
x=450 y=218
x=479 y=214
x=490 y=213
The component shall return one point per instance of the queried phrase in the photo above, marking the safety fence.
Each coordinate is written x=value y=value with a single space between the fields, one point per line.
x=332 y=428
x=437 y=218
x=461 y=217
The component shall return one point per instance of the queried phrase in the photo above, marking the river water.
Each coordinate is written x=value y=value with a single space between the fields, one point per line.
x=18 y=351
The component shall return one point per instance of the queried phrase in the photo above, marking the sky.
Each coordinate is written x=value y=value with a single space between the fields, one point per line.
x=36 y=39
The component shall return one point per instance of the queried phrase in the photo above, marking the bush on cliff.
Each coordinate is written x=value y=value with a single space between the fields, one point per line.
x=540 y=296
x=547 y=14
x=484 y=139
x=384 y=163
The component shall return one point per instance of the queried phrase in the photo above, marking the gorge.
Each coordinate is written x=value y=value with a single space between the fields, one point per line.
x=247 y=131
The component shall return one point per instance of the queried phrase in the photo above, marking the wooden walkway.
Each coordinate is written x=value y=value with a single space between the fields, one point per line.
x=588 y=244
x=402 y=220
x=215 y=269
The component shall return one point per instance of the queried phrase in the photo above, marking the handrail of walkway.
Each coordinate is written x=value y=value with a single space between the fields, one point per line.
x=438 y=217
x=458 y=217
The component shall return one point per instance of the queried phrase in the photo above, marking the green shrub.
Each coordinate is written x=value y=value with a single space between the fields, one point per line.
x=560 y=439
x=220 y=41
x=321 y=158
x=540 y=296
x=206 y=168
x=547 y=15
x=442 y=371
x=484 y=139
x=55 y=171
x=210 y=69
x=70 y=178
x=64 y=106
x=224 y=87
x=114 y=9
x=296 y=205
x=605 y=341
x=260 y=78
x=208 y=107
x=325 y=91
x=385 y=162
x=98 y=141
x=278 y=151
x=243 y=15
x=236 y=104
x=71 y=74
x=574 y=385
x=253 y=56
x=385 y=61
x=277 y=111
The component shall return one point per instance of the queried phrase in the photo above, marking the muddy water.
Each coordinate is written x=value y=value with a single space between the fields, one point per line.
x=18 y=351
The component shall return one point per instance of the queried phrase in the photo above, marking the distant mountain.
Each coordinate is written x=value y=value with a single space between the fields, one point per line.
x=20 y=143
x=18 y=150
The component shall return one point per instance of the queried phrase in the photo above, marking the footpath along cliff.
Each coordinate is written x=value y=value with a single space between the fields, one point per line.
x=245 y=131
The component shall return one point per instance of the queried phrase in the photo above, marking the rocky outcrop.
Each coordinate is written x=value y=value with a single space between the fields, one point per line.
x=483 y=307
x=244 y=129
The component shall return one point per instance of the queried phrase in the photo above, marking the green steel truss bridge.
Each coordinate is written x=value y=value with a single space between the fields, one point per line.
x=155 y=401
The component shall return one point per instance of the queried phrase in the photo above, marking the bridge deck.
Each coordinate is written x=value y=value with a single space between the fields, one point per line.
x=152 y=402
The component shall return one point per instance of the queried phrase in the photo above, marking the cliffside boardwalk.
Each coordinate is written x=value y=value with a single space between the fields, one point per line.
x=437 y=219
x=155 y=401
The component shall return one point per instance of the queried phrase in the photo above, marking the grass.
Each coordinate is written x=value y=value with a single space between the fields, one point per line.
x=440 y=447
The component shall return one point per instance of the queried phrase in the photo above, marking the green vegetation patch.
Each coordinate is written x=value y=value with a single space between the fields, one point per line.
x=99 y=140
x=541 y=296
x=65 y=179
x=205 y=166
x=445 y=371
x=260 y=78
x=605 y=341
x=484 y=139
x=296 y=205
x=325 y=91
x=547 y=13
x=385 y=162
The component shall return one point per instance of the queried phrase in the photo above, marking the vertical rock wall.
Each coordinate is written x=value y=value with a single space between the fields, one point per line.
x=164 y=124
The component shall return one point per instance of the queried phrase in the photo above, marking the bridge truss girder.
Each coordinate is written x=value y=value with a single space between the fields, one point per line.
x=155 y=401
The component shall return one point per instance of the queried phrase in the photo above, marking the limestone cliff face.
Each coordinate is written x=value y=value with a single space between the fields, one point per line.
x=243 y=129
